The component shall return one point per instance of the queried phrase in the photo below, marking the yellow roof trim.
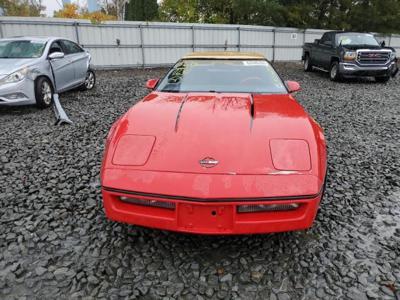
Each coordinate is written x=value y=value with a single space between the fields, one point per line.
x=223 y=55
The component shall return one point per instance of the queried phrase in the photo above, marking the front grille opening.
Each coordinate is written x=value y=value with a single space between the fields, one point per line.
x=251 y=208
x=147 y=202
x=373 y=57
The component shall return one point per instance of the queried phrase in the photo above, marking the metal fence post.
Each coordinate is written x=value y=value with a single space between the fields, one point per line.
x=142 y=44
x=193 y=39
x=76 y=24
x=1 y=29
x=238 y=45
x=304 y=36
x=273 y=45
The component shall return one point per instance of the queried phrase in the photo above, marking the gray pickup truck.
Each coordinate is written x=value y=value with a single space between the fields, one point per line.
x=350 y=54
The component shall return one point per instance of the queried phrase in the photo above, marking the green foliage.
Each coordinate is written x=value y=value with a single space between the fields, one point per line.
x=141 y=10
x=23 y=8
x=358 y=15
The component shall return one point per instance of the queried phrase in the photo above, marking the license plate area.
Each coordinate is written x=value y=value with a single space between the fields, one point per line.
x=212 y=218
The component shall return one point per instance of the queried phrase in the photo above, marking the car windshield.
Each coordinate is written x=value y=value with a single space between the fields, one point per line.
x=222 y=75
x=21 y=49
x=357 y=39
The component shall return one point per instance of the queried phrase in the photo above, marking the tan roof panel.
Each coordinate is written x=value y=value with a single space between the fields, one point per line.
x=223 y=55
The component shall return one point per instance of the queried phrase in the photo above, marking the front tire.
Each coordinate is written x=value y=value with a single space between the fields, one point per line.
x=90 y=81
x=334 y=73
x=383 y=79
x=307 y=64
x=43 y=92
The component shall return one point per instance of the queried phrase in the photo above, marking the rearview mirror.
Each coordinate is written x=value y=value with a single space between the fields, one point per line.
x=151 y=83
x=292 y=86
x=56 y=55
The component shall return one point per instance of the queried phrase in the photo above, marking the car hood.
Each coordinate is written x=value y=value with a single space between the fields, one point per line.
x=10 y=65
x=180 y=130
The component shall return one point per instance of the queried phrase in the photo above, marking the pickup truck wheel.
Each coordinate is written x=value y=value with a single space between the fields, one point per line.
x=334 y=73
x=382 y=79
x=307 y=64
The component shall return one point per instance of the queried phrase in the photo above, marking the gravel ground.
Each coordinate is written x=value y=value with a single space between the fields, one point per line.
x=56 y=243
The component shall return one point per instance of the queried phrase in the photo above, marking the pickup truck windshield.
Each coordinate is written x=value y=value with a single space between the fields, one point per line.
x=21 y=49
x=222 y=75
x=356 y=39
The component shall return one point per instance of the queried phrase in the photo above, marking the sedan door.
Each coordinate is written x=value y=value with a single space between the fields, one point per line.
x=62 y=68
x=79 y=60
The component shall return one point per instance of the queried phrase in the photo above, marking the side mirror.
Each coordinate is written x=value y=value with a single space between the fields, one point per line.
x=56 y=55
x=292 y=86
x=316 y=41
x=151 y=83
x=383 y=44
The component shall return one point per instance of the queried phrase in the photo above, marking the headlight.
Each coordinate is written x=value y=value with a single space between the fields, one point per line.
x=392 y=55
x=350 y=55
x=16 y=76
x=290 y=155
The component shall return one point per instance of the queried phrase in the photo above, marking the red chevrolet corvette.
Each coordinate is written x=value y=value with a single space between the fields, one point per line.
x=219 y=146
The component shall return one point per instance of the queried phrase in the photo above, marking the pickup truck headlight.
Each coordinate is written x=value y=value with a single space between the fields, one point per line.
x=350 y=55
x=392 y=55
x=16 y=76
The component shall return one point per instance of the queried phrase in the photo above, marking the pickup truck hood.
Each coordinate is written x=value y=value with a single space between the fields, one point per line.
x=182 y=129
x=369 y=47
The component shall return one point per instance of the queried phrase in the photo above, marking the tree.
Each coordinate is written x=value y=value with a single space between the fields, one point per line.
x=179 y=11
x=72 y=11
x=357 y=15
x=23 y=8
x=141 y=10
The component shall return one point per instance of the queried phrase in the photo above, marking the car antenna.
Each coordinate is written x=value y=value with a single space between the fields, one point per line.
x=61 y=116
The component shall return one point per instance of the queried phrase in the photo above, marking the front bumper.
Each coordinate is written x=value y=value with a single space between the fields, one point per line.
x=214 y=218
x=354 y=69
x=19 y=93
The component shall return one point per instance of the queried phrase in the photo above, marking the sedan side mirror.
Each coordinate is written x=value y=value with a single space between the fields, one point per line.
x=56 y=55
x=292 y=86
x=151 y=83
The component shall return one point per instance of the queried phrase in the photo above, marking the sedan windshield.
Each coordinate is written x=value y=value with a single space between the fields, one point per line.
x=21 y=49
x=357 y=39
x=222 y=75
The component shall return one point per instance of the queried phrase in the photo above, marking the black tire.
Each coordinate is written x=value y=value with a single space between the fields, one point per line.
x=43 y=92
x=90 y=81
x=382 y=79
x=307 y=63
x=334 y=73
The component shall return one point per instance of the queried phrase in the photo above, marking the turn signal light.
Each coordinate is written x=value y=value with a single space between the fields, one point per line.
x=266 y=207
x=147 y=202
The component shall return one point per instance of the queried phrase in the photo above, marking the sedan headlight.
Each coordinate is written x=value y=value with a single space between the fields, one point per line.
x=350 y=55
x=16 y=76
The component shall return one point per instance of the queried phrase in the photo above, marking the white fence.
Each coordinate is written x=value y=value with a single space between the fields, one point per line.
x=142 y=44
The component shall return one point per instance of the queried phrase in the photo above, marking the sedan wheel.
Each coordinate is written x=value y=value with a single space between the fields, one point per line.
x=43 y=92
x=90 y=80
x=47 y=94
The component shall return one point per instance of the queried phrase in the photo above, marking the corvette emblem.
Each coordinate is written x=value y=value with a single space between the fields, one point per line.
x=208 y=162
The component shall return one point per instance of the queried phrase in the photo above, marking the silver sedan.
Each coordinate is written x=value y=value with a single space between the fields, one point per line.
x=32 y=69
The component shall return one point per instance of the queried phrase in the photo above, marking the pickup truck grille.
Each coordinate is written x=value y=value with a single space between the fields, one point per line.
x=373 y=57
